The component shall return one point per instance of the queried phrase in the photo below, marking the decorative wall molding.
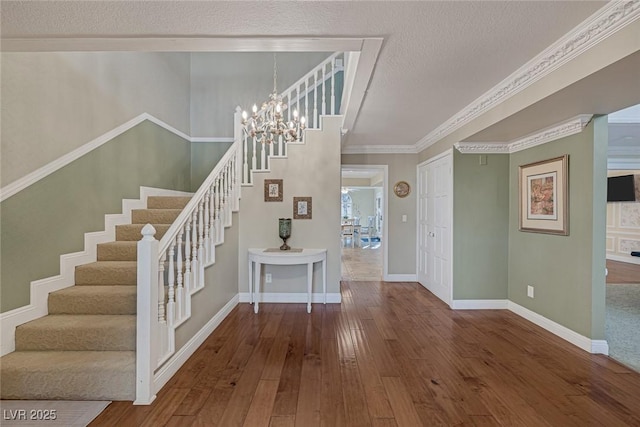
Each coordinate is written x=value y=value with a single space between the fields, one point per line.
x=170 y=368
x=40 y=289
x=613 y=17
x=380 y=149
x=561 y=130
x=46 y=170
x=293 y=297
x=481 y=147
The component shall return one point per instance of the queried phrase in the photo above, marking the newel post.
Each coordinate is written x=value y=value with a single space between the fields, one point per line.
x=241 y=139
x=147 y=316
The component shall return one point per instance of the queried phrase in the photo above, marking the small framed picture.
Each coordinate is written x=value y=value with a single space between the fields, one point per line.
x=544 y=196
x=302 y=208
x=272 y=190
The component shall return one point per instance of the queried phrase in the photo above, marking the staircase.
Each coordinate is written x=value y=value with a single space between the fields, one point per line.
x=85 y=349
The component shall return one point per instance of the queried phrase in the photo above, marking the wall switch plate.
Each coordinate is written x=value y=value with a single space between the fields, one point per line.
x=404 y=218
x=530 y=291
x=267 y=278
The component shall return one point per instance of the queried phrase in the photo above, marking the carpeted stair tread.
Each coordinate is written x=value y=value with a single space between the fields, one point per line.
x=107 y=273
x=154 y=216
x=132 y=232
x=78 y=332
x=167 y=202
x=93 y=300
x=118 y=251
x=68 y=375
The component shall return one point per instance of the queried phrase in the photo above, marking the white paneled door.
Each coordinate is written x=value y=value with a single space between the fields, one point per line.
x=435 y=218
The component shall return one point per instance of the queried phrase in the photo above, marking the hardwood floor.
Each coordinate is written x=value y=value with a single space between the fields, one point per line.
x=390 y=355
x=622 y=272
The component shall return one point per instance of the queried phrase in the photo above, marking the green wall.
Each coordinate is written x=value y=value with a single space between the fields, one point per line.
x=567 y=272
x=204 y=157
x=50 y=217
x=480 y=226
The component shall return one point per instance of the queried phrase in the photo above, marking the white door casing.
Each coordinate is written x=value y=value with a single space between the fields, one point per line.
x=435 y=219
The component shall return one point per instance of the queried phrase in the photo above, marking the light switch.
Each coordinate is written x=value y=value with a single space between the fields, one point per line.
x=404 y=218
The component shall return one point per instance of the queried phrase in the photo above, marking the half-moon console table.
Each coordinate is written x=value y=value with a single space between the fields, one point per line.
x=259 y=256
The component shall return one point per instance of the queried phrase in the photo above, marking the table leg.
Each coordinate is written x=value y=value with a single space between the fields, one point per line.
x=256 y=279
x=250 y=283
x=324 y=279
x=309 y=282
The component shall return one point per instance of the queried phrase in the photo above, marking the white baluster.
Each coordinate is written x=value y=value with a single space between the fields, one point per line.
x=306 y=100
x=207 y=255
x=200 y=246
x=245 y=166
x=187 y=257
x=194 y=250
x=180 y=289
x=254 y=159
x=217 y=200
x=333 y=86
x=161 y=313
x=171 y=309
x=263 y=161
x=212 y=226
x=315 y=100
x=324 y=92
x=298 y=100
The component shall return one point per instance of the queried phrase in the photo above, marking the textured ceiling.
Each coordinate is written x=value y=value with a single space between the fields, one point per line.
x=436 y=58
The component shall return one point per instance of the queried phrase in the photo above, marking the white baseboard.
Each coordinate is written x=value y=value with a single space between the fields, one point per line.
x=293 y=297
x=40 y=289
x=480 y=304
x=586 y=344
x=170 y=368
x=400 y=278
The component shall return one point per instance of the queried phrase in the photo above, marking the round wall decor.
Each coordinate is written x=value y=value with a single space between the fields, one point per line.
x=402 y=189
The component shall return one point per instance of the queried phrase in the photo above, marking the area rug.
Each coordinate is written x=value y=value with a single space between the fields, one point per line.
x=623 y=323
x=49 y=413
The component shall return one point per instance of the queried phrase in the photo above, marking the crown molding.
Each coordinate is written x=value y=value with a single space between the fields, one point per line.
x=481 y=147
x=380 y=149
x=560 y=130
x=605 y=22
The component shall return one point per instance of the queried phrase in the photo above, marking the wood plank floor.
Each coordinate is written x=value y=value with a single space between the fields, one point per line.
x=622 y=272
x=390 y=355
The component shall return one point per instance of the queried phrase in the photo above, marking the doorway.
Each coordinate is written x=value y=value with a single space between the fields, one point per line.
x=435 y=230
x=363 y=230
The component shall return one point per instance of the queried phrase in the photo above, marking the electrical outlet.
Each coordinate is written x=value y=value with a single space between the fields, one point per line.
x=267 y=278
x=530 y=291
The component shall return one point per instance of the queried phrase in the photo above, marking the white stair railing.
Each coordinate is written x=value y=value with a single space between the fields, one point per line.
x=313 y=95
x=171 y=270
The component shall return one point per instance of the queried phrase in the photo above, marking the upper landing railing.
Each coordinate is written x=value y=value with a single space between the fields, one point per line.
x=317 y=93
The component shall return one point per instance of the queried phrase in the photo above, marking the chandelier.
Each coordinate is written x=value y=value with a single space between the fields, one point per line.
x=267 y=124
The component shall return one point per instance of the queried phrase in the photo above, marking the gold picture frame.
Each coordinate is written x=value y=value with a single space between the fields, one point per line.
x=272 y=190
x=302 y=208
x=544 y=196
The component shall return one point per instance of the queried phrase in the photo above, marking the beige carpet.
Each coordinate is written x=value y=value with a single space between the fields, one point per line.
x=49 y=413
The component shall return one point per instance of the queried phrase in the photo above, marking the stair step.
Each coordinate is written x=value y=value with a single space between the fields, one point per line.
x=133 y=232
x=154 y=216
x=107 y=273
x=68 y=375
x=93 y=300
x=78 y=332
x=118 y=251
x=167 y=202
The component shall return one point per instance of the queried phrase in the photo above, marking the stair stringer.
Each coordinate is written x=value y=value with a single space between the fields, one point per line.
x=40 y=289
